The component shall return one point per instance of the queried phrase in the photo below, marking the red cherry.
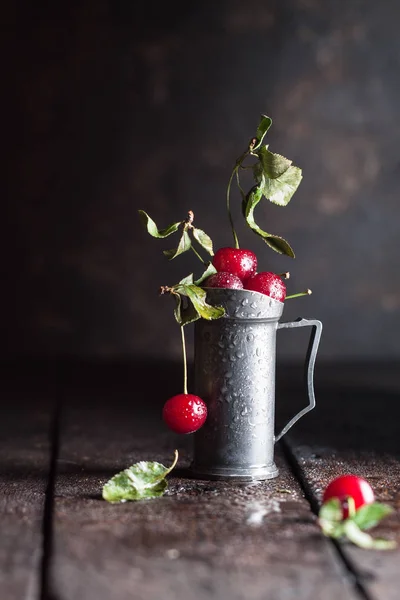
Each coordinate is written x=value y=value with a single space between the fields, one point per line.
x=347 y=486
x=184 y=413
x=224 y=280
x=267 y=283
x=242 y=263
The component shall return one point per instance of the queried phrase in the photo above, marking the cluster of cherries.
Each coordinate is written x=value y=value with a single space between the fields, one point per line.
x=236 y=269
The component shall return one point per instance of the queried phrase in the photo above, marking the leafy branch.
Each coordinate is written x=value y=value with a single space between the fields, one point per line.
x=191 y=299
x=191 y=305
x=185 y=243
x=353 y=528
x=276 y=180
x=189 y=296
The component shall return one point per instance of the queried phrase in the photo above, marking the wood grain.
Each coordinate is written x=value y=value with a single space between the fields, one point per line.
x=201 y=540
x=25 y=422
x=355 y=430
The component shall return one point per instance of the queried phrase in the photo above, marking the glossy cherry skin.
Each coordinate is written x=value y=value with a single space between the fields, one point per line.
x=184 y=413
x=349 y=485
x=224 y=280
x=237 y=261
x=267 y=283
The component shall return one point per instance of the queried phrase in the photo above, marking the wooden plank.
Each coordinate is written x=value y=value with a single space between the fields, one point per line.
x=25 y=422
x=355 y=430
x=201 y=540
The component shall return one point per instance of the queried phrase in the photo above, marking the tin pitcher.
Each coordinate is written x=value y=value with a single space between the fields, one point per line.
x=234 y=373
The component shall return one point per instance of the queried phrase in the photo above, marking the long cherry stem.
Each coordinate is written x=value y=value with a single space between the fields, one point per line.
x=184 y=361
x=198 y=255
x=228 y=193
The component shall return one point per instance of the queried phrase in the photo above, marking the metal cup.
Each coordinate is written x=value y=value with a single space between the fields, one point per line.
x=235 y=362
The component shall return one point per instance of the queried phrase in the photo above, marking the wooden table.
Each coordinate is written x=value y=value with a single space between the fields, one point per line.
x=67 y=427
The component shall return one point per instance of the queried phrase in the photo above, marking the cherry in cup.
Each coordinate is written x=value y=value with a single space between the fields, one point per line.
x=236 y=261
x=267 y=283
x=224 y=280
x=184 y=413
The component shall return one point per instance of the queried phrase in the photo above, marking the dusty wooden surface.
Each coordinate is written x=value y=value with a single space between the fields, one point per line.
x=25 y=450
x=356 y=431
x=202 y=539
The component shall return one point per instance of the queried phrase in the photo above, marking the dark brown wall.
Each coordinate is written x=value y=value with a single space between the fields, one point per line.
x=115 y=106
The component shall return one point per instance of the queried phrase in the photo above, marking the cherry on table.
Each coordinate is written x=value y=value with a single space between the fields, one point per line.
x=224 y=280
x=237 y=261
x=184 y=413
x=352 y=486
x=267 y=283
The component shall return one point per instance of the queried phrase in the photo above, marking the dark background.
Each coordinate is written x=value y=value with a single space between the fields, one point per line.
x=111 y=107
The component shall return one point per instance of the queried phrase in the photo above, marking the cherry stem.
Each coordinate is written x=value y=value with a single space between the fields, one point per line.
x=351 y=507
x=198 y=255
x=228 y=192
x=184 y=361
x=306 y=293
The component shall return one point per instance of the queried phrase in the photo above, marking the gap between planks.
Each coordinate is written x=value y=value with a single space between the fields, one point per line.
x=354 y=575
x=48 y=512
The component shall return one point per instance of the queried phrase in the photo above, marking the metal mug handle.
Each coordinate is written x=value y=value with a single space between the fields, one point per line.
x=309 y=365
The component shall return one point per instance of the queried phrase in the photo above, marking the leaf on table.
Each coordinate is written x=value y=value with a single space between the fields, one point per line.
x=331 y=510
x=364 y=540
x=143 y=480
x=332 y=525
x=370 y=515
x=330 y=518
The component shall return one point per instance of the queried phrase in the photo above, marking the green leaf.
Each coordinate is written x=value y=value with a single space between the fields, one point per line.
x=189 y=314
x=152 y=227
x=184 y=245
x=277 y=243
x=331 y=529
x=187 y=280
x=204 y=240
x=198 y=297
x=178 y=308
x=280 y=190
x=263 y=126
x=370 y=515
x=364 y=540
x=273 y=165
x=331 y=510
x=330 y=518
x=211 y=270
x=142 y=480
x=185 y=315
